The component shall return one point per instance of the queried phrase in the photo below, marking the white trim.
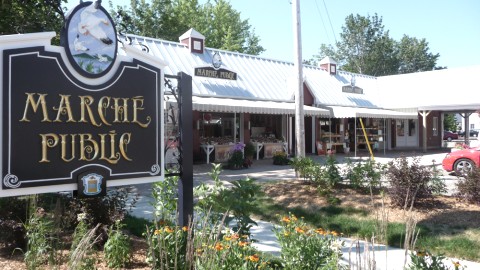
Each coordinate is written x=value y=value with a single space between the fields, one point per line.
x=352 y=112
x=213 y=104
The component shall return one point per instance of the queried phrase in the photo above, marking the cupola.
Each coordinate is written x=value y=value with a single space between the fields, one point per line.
x=194 y=41
x=329 y=64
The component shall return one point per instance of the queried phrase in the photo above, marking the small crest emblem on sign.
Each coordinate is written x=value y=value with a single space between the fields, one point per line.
x=92 y=184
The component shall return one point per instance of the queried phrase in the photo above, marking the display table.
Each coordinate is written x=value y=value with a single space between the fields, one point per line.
x=208 y=149
x=259 y=147
x=222 y=151
x=271 y=148
x=334 y=146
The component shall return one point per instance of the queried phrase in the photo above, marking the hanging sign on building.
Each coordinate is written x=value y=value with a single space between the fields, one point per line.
x=81 y=122
x=215 y=71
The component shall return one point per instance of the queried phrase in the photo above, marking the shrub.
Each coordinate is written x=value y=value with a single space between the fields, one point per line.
x=300 y=165
x=364 y=174
x=469 y=187
x=332 y=173
x=105 y=210
x=238 y=201
x=117 y=247
x=12 y=218
x=249 y=150
x=307 y=248
x=280 y=158
x=40 y=247
x=408 y=183
x=422 y=260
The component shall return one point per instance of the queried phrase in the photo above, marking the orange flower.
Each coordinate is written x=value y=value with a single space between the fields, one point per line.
x=456 y=264
x=157 y=232
x=227 y=238
x=320 y=231
x=168 y=230
x=334 y=233
x=253 y=258
x=286 y=219
x=235 y=236
x=422 y=253
x=185 y=228
x=219 y=246
x=299 y=230
x=243 y=243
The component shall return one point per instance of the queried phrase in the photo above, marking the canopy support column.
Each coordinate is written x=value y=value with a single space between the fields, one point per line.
x=424 y=114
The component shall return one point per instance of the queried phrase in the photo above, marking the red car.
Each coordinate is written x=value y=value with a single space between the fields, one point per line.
x=449 y=136
x=462 y=161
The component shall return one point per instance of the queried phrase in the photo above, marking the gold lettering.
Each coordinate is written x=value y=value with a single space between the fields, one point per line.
x=121 y=111
x=103 y=104
x=31 y=101
x=123 y=145
x=138 y=106
x=89 y=149
x=64 y=150
x=114 y=156
x=64 y=108
x=85 y=102
x=49 y=140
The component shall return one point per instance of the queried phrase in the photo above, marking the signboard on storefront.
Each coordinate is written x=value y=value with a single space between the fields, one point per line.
x=211 y=72
x=82 y=122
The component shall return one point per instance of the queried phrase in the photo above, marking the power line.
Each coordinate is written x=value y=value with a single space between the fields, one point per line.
x=321 y=18
x=330 y=22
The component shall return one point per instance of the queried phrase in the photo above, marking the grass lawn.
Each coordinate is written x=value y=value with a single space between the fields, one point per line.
x=448 y=239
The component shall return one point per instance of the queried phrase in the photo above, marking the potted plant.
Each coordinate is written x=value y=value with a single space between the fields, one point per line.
x=236 y=159
x=249 y=151
x=280 y=158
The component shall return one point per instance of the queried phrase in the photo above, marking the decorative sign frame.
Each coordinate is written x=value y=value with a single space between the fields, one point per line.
x=64 y=130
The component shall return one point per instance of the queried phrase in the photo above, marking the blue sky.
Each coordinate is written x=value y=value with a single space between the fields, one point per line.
x=451 y=27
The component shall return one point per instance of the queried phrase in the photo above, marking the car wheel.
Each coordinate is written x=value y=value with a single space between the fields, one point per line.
x=449 y=139
x=463 y=166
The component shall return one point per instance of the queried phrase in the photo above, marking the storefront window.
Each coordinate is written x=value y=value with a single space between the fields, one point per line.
x=218 y=128
x=412 y=127
x=266 y=128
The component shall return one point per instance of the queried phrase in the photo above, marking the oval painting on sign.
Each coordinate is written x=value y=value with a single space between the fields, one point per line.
x=91 y=40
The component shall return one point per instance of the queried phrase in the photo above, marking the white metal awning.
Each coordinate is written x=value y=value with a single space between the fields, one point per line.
x=351 y=112
x=213 y=104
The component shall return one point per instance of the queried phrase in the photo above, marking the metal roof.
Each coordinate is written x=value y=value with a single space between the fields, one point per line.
x=446 y=89
x=262 y=79
x=258 y=77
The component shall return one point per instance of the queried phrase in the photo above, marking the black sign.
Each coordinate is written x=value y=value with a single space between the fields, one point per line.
x=211 y=72
x=59 y=130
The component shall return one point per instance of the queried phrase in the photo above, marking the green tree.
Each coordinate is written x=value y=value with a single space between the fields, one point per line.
x=414 y=55
x=365 y=47
x=449 y=122
x=221 y=25
x=29 y=16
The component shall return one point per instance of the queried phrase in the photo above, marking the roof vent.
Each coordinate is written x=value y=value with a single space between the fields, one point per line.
x=194 y=41
x=329 y=64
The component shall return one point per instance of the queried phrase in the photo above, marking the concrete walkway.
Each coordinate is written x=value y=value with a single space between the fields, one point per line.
x=264 y=170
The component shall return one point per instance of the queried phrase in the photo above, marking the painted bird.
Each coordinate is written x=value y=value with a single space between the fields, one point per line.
x=90 y=23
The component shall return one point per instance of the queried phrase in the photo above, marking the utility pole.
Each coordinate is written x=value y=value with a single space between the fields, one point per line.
x=299 y=114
